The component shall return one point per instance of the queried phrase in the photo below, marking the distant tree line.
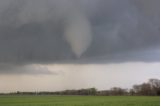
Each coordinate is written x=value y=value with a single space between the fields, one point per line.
x=88 y=91
x=150 y=88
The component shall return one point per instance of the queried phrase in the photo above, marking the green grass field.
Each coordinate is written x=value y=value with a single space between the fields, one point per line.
x=78 y=101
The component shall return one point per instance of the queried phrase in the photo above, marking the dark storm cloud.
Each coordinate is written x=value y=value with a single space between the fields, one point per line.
x=25 y=69
x=50 y=31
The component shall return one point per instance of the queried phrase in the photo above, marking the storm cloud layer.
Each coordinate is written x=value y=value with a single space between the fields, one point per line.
x=51 y=31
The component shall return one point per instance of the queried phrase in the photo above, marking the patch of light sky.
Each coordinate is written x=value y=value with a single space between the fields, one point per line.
x=69 y=76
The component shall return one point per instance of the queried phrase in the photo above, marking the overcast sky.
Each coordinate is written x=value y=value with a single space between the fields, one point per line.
x=67 y=44
x=101 y=76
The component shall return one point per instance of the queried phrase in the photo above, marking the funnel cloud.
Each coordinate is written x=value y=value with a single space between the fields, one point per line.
x=78 y=33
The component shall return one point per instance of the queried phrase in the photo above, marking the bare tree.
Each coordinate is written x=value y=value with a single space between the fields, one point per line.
x=155 y=85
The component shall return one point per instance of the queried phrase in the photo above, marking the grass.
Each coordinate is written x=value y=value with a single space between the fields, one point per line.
x=79 y=101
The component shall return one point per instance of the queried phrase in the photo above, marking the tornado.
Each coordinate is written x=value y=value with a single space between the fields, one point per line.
x=78 y=33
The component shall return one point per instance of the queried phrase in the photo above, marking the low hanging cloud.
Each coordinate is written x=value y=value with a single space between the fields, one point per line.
x=34 y=69
x=55 y=31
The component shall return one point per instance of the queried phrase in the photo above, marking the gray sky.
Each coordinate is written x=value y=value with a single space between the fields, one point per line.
x=36 y=35
x=101 y=76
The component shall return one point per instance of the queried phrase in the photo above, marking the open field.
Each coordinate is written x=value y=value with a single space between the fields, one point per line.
x=78 y=101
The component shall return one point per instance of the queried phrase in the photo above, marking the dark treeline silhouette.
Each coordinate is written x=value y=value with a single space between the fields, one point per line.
x=115 y=91
x=150 y=88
